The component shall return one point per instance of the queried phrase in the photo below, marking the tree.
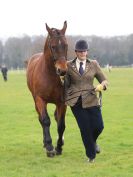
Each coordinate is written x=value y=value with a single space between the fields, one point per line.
x=1 y=52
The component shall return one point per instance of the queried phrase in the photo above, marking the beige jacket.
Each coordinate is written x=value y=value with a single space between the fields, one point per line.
x=77 y=85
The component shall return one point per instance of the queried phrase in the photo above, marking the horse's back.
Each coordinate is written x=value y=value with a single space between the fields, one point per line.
x=33 y=60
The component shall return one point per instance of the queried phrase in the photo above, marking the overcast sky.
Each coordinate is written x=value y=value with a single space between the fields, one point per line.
x=85 y=17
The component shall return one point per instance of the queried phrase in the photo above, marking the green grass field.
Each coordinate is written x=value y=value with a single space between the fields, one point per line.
x=21 y=147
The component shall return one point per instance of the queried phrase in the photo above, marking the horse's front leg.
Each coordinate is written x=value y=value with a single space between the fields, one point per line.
x=44 y=119
x=60 y=118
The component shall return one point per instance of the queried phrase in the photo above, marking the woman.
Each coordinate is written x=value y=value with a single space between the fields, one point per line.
x=81 y=96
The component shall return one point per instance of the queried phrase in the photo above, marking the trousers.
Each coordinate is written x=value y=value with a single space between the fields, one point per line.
x=90 y=123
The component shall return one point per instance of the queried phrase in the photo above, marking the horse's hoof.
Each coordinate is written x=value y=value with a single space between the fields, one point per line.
x=58 y=152
x=50 y=153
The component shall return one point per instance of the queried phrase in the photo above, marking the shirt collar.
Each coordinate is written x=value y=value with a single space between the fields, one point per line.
x=74 y=60
x=83 y=61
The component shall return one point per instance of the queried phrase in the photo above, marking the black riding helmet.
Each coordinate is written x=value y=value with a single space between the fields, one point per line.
x=81 y=45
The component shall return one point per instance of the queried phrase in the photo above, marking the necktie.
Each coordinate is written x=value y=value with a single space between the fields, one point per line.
x=81 y=70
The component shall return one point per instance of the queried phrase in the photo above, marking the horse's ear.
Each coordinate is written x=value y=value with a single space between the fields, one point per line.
x=64 y=27
x=48 y=29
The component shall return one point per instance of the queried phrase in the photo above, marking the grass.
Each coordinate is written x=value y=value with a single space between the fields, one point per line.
x=21 y=148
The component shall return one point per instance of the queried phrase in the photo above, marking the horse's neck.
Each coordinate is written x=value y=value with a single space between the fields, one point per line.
x=46 y=46
x=47 y=63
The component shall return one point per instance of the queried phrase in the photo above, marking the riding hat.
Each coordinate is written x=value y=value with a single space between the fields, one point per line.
x=81 y=45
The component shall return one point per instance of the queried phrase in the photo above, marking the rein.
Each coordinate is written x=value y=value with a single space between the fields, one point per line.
x=86 y=94
x=82 y=90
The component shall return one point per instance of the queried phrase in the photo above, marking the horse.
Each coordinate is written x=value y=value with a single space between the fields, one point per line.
x=44 y=72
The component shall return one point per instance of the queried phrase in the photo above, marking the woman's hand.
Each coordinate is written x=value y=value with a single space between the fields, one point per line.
x=99 y=88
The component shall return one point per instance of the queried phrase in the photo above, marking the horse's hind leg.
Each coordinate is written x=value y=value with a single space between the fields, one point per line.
x=44 y=119
x=60 y=118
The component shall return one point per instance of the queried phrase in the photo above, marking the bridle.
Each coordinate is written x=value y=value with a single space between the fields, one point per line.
x=54 y=57
x=52 y=50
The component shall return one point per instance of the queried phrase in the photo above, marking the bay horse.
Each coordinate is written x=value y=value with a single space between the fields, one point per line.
x=43 y=80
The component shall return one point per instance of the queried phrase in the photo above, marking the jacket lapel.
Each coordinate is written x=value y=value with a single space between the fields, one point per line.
x=87 y=67
x=73 y=64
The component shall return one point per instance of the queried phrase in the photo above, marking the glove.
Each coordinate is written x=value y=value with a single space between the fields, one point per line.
x=99 y=88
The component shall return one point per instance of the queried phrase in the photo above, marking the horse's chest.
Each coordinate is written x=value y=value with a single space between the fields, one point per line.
x=52 y=92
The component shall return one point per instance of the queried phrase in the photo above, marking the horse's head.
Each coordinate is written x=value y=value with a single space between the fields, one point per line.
x=58 y=46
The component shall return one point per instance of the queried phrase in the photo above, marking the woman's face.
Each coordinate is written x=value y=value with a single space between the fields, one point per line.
x=82 y=54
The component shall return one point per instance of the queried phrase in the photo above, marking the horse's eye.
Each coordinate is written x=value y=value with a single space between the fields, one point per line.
x=53 y=47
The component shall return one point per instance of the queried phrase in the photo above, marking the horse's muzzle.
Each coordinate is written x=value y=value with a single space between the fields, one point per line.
x=60 y=72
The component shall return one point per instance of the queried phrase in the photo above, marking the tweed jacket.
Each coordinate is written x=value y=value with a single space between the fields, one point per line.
x=77 y=85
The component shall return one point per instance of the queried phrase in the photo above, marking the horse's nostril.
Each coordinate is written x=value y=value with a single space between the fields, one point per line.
x=58 y=71
x=62 y=73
